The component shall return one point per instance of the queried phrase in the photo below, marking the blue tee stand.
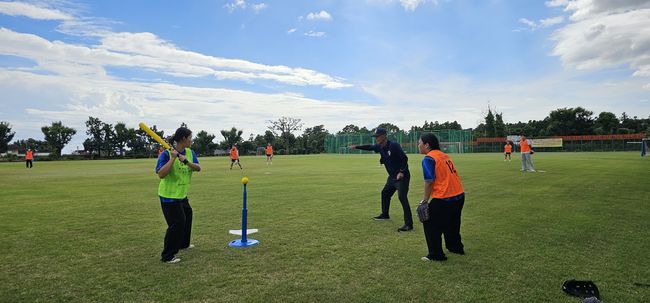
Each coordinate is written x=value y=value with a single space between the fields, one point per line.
x=244 y=241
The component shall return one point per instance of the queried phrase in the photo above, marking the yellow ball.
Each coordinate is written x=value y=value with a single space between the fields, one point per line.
x=244 y=180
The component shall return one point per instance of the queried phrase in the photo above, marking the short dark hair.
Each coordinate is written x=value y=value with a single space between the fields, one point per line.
x=431 y=139
x=181 y=133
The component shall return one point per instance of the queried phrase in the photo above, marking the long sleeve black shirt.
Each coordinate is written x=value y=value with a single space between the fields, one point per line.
x=393 y=157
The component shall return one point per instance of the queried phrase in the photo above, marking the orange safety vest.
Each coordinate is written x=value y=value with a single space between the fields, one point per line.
x=447 y=183
x=508 y=148
x=233 y=154
x=525 y=147
x=29 y=155
x=269 y=150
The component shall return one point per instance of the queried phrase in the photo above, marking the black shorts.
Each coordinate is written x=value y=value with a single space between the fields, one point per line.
x=234 y=160
x=269 y=155
x=508 y=153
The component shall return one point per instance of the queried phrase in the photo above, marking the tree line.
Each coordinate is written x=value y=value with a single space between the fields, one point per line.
x=564 y=122
x=106 y=140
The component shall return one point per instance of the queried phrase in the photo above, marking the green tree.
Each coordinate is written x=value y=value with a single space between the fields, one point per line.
x=231 y=137
x=570 y=121
x=57 y=136
x=248 y=147
x=349 y=129
x=262 y=140
x=36 y=145
x=389 y=127
x=108 y=139
x=269 y=137
x=94 y=130
x=499 y=126
x=203 y=143
x=606 y=123
x=490 y=129
x=5 y=136
x=285 y=126
x=450 y=125
x=138 y=145
x=312 y=140
x=122 y=136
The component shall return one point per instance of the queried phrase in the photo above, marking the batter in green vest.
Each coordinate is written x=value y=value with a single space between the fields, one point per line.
x=175 y=169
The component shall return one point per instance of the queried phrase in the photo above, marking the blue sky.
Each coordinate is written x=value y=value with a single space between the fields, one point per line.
x=217 y=64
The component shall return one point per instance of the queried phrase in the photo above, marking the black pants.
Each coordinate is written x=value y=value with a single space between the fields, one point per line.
x=28 y=163
x=179 y=227
x=402 y=188
x=444 y=218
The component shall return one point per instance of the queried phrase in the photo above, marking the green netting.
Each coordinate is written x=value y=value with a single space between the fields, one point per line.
x=451 y=141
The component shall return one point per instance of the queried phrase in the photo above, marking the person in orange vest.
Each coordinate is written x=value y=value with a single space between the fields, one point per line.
x=445 y=196
x=234 y=157
x=507 y=151
x=269 y=154
x=29 y=158
x=526 y=149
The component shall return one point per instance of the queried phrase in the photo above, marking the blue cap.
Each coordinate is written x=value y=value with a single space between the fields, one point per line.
x=379 y=131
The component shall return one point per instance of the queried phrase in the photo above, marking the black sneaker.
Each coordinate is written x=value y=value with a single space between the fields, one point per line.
x=381 y=218
x=173 y=260
x=405 y=228
x=457 y=251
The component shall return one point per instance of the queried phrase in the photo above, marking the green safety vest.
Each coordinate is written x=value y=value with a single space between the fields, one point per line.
x=177 y=183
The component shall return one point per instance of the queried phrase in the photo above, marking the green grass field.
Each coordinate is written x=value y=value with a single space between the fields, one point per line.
x=93 y=230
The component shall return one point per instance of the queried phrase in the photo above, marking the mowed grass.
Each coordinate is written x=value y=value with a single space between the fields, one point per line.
x=92 y=231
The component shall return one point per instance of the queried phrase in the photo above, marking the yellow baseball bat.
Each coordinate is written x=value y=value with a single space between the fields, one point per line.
x=153 y=135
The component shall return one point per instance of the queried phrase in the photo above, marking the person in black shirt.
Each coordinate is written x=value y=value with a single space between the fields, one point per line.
x=396 y=163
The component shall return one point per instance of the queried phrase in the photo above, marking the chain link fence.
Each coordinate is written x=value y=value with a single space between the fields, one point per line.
x=451 y=141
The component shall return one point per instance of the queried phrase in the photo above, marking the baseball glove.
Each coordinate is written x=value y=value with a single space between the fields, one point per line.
x=582 y=289
x=423 y=211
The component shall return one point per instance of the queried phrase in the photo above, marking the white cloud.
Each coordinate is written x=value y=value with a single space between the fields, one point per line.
x=551 y=21
x=585 y=9
x=412 y=5
x=528 y=22
x=320 y=16
x=408 y=5
x=543 y=23
x=236 y=4
x=315 y=34
x=73 y=98
x=259 y=7
x=32 y=11
x=459 y=98
x=292 y=30
x=148 y=52
x=606 y=34
x=241 y=4
x=556 y=3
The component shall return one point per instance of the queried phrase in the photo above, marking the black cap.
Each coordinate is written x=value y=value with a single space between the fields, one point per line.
x=379 y=131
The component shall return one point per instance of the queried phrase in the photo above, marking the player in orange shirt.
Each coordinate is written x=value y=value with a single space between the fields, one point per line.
x=269 y=154
x=445 y=196
x=526 y=152
x=29 y=158
x=507 y=151
x=234 y=157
